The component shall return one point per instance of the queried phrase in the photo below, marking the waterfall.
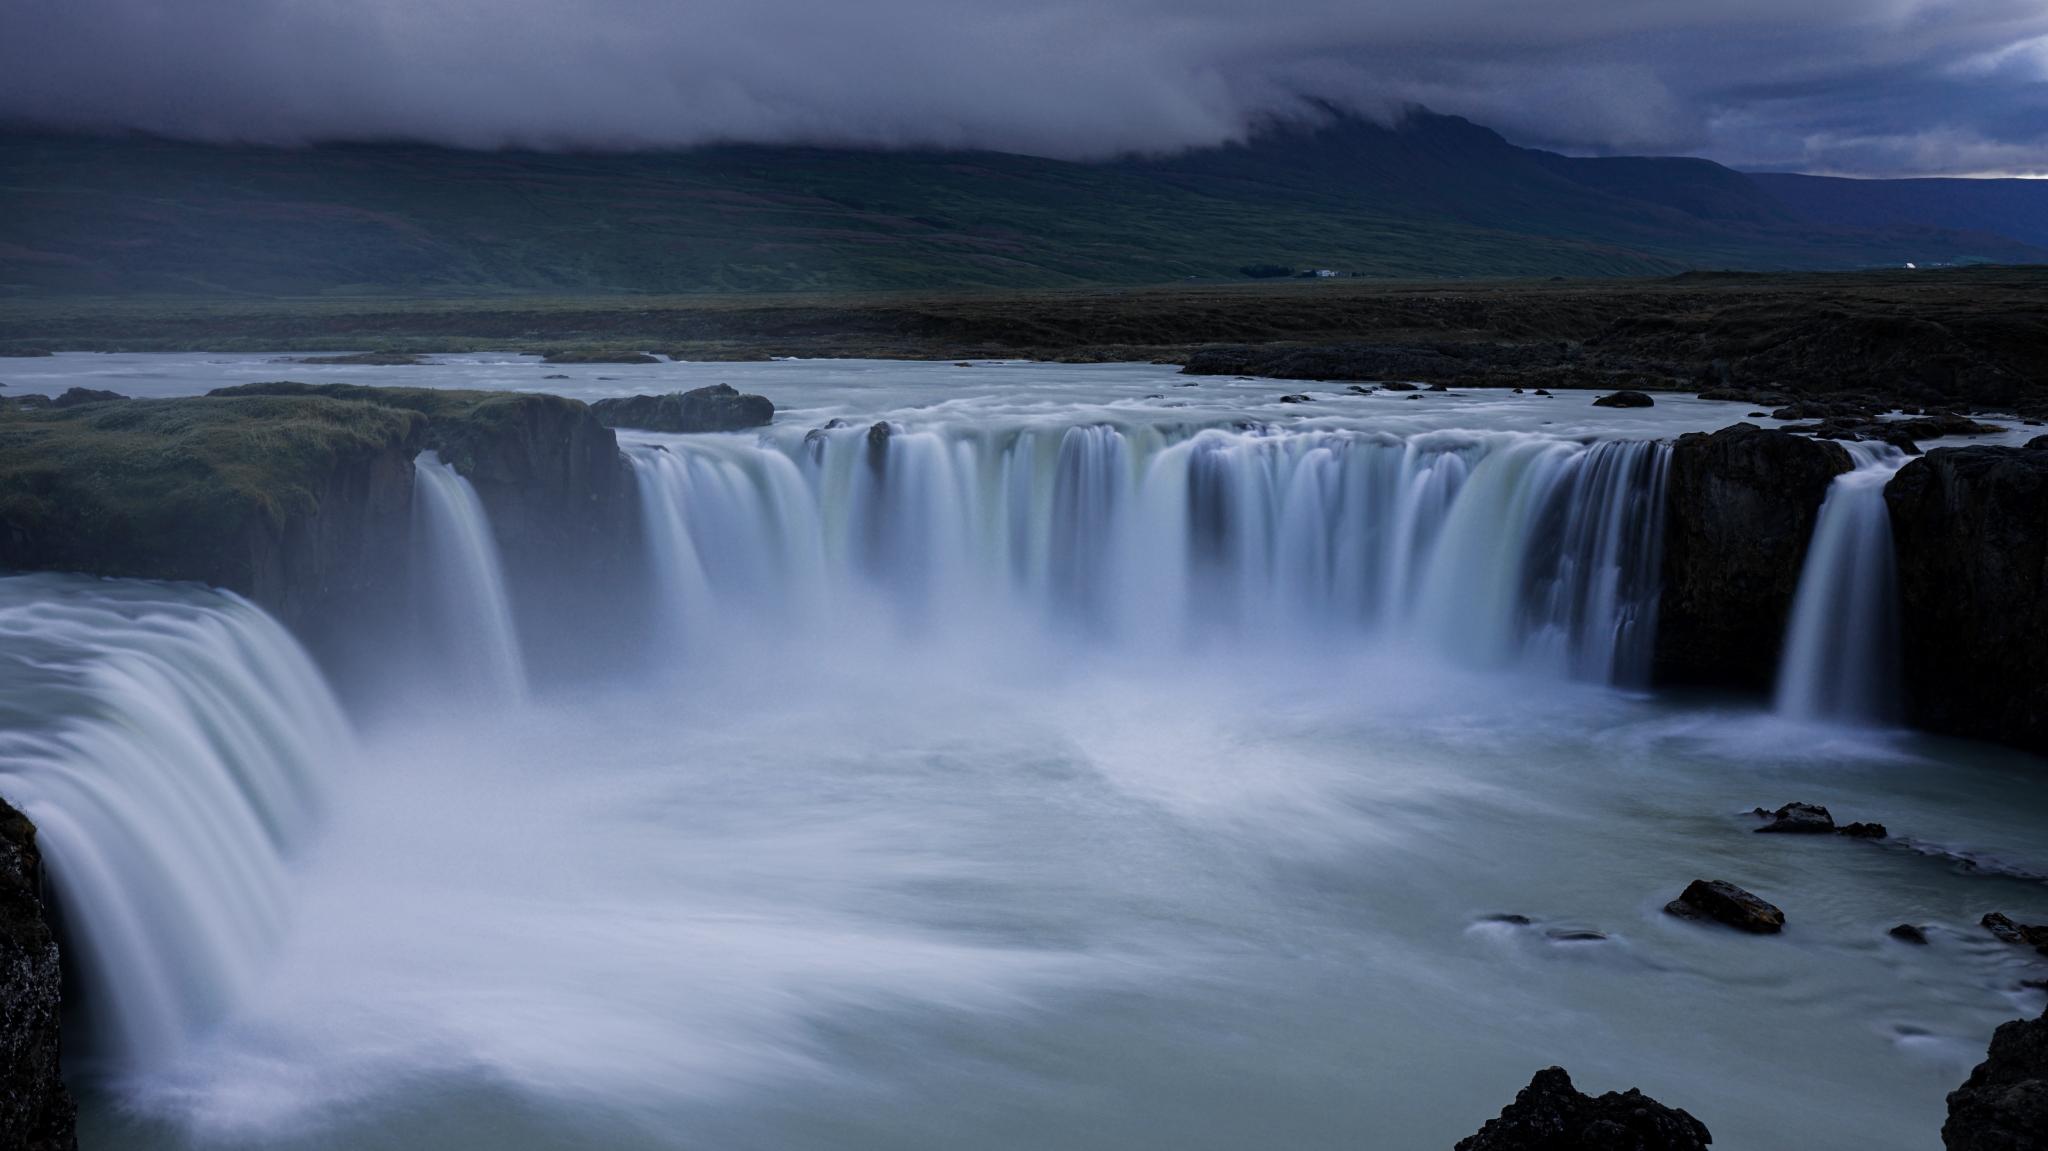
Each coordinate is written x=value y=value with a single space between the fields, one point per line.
x=1497 y=549
x=1841 y=659
x=459 y=585
x=168 y=742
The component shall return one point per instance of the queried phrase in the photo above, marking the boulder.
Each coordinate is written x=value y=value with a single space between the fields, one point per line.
x=1723 y=901
x=1740 y=507
x=718 y=408
x=1998 y=924
x=2004 y=1104
x=1970 y=530
x=1800 y=819
x=1552 y=1115
x=1863 y=830
x=72 y=397
x=1624 y=400
x=1907 y=933
x=36 y=1112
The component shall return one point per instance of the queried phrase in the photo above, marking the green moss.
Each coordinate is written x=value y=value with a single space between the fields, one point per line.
x=163 y=487
x=458 y=423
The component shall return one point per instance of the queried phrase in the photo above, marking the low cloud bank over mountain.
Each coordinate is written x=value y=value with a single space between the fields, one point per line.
x=1879 y=87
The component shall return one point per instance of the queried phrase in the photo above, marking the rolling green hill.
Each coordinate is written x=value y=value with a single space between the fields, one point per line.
x=1432 y=197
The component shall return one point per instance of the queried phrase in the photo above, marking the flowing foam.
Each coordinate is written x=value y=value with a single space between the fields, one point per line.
x=461 y=585
x=1841 y=660
x=1496 y=549
x=169 y=743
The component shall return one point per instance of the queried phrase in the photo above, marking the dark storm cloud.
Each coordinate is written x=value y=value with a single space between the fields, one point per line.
x=1821 y=85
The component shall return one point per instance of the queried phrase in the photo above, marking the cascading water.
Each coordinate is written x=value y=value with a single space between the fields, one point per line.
x=460 y=585
x=1495 y=548
x=169 y=744
x=1841 y=660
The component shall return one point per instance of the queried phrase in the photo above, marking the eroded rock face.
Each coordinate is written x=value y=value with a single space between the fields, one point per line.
x=1970 y=528
x=1552 y=1115
x=718 y=408
x=36 y=1112
x=1741 y=507
x=2004 y=1104
x=1801 y=819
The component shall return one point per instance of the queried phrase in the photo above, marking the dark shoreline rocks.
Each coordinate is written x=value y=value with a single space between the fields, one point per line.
x=1552 y=1115
x=1740 y=507
x=1723 y=901
x=2003 y=1106
x=718 y=408
x=1970 y=530
x=36 y=1112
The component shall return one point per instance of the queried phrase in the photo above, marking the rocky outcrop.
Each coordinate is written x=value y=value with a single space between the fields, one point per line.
x=1741 y=507
x=1800 y=819
x=718 y=408
x=1624 y=399
x=1552 y=1115
x=2004 y=1104
x=300 y=497
x=600 y=357
x=1723 y=901
x=1970 y=529
x=36 y=1112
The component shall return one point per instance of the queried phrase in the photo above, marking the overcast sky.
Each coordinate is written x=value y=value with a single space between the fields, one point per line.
x=1869 y=87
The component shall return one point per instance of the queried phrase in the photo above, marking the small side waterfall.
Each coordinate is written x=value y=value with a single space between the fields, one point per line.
x=1493 y=548
x=1841 y=658
x=169 y=744
x=459 y=585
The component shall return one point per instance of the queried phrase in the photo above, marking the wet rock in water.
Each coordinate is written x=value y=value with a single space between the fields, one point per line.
x=556 y=376
x=1624 y=400
x=718 y=408
x=1740 y=508
x=1552 y=1115
x=2027 y=935
x=36 y=1112
x=1510 y=917
x=1801 y=819
x=387 y=359
x=1970 y=533
x=1298 y=399
x=1720 y=900
x=2038 y=444
x=1400 y=387
x=75 y=396
x=2004 y=1104
x=1907 y=933
x=1863 y=831
x=1540 y=392
x=1365 y=391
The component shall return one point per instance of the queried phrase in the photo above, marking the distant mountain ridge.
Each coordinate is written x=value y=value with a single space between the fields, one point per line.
x=1430 y=197
x=2009 y=207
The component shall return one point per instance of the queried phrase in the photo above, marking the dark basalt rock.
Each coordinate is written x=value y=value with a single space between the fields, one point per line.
x=2004 y=1104
x=76 y=396
x=1801 y=819
x=1302 y=399
x=1398 y=386
x=1624 y=400
x=1552 y=1115
x=1907 y=933
x=2027 y=935
x=1970 y=530
x=373 y=359
x=1723 y=901
x=718 y=408
x=36 y=1112
x=1863 y=830
x=1741 y=506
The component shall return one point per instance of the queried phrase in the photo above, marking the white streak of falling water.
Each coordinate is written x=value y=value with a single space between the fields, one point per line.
x=169 y=744
x=460 y=585
x=1494 y=549
x=1841 y=658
